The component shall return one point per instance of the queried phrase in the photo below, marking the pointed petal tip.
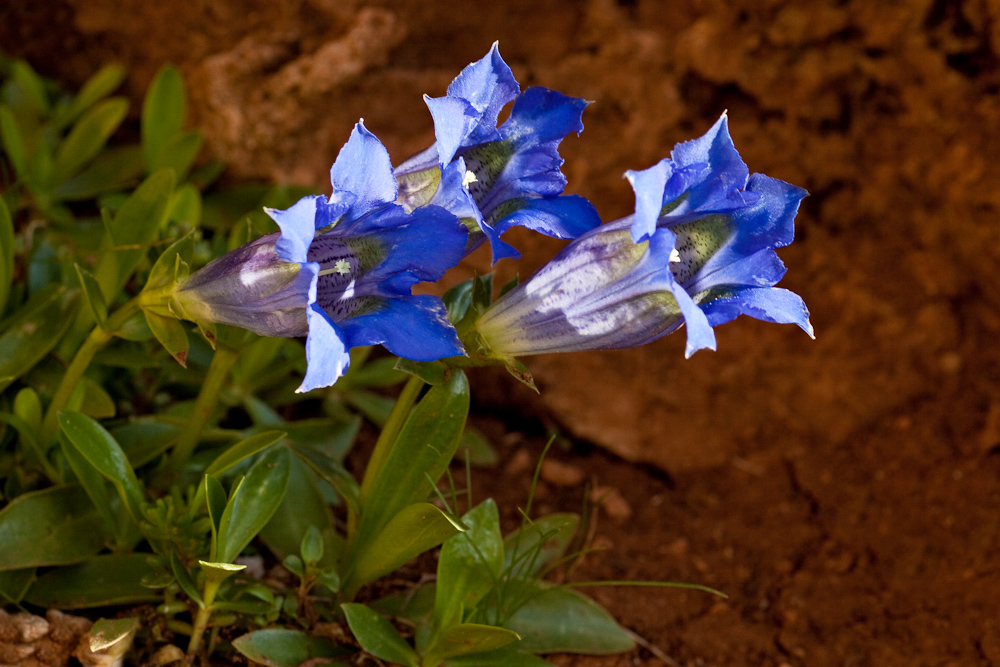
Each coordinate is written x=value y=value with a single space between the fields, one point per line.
x=808 y=328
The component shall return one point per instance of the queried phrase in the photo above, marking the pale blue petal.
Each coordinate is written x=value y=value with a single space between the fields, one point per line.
x=327 y=354
x=363 y=169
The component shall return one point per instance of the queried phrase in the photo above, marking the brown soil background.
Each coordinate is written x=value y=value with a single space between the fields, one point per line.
x=843 y=492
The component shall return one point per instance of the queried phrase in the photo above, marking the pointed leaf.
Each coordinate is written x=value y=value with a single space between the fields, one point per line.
x=112 y=579
x=178 y=153
x=253 y=504
x=281 y=647
x=56 y=526
x=414 y=530
x=171 y=334
x=106 y=633
x=331 y=472
x=469 y=565
x=377 y=636
x=163 y=113
x=465 y=639
x=96 y=402
x=93 y=295
x=37 y=329
x=242 y=450
x=529 y=549
x=104 y=453
x=184 y=579
x=561 y=620
x=113 y=169
x=92 y=482
x=13 y=142
x=97 y=87
x=302 y=508
x=88 y=137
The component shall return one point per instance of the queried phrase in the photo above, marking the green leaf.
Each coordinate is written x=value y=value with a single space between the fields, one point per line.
x=13 y=142
x=37 y=329
x=374 y=407
x=104 y=453
x=32 y=85
x=185 y=580
x=431 y=372
x=377 y=636
x=508 y=656
x=93 y=483
x=561 y=620
x=92 y=292
x=253 y=503
x=243 y=449
x=112 y=579
x=414 y=530
x=465 y=639
x=469 y=565
x=163 y=112
x=331 y=472
x=185 y=207
x=132 y=229
x=312 y=546
x=301 y=508
x=6 y=254
x=281 y=647
x=379 y=373
x=88 y=137
x=145 y=438
x=15 y=583
x=97 y=87
x=106 y=633
x=215 y=498
x=477 y=447
x=458 y=299
x=56 y=526
x=178 y=153
x=171 y=334
x=96 y=403
x=164 y=271
x=414 y=605
x=28 y=407
x=529 y=549
x=113 y=169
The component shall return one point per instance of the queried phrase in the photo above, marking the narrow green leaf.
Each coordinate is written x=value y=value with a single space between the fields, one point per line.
x=88 y=137
x=561 y=620
x=93 y=295
x=215 y=497
x=301 y=508
x=106 y=633
x=35 y=331
x=466 y=639
x=377 y=636
x=478 y=448
x=56 y=526
x=185 y=206
x=331 y=472
x=282 y=647
x=185 y=580
x=431 y=372
x=145 y=438
x=132 y=229
x=171 y=334
x=13 y=142
x=458 y=299
x=469 y=565
x=529 y=549
x=163 y=113
x=112 y=579
x=242 y=450
x=6 y=254
x=96 y=402
x=97 y=87
x=93 y=483
x=253 y=504
x=414 y=530
x=178 y=153
x=32 y=85
x=113 y=169
x=508 y=656
x=15 y=583
x=104 y=453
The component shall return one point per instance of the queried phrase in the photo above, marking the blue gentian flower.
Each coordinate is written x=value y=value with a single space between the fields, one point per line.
x=706 y=235
x=340 y=271
x=511 y=172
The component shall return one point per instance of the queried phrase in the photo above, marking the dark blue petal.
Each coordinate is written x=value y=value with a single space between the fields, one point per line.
x=727 y=175
x=564 y=217
x=700 y=334
x=326 y=351
x=363 y=171
x=415 y=328
x=541 y=115
x=770 y=304
x=761 y=269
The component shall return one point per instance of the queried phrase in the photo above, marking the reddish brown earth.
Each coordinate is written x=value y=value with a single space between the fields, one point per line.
x=843 y=492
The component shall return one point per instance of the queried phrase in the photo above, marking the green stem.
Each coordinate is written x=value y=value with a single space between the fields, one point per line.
x=204 y=614
x=204 y=405
x=95 y=341
x=393 y=425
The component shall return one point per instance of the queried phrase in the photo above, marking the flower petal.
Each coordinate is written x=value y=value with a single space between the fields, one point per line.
x=771 y=304
x=416 y=328
x=362 y=172
x=488 y=85
x=327 y=354
x=298 y=228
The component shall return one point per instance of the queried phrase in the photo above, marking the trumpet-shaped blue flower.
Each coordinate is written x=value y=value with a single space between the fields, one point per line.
x=706 y=236
x=512 y=172
x=340 y=271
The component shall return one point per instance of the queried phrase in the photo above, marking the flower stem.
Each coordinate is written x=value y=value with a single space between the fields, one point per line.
x=393 y=425
x=95 y=341
x=204 y=405
x=204 y=614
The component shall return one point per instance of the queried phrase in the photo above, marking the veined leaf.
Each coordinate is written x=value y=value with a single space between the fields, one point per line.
x=469 y=565
x=56 y=526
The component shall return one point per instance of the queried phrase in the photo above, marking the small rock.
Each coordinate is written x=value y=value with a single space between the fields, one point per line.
x=561 y=474
x=520 y=462
x=612 y=502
